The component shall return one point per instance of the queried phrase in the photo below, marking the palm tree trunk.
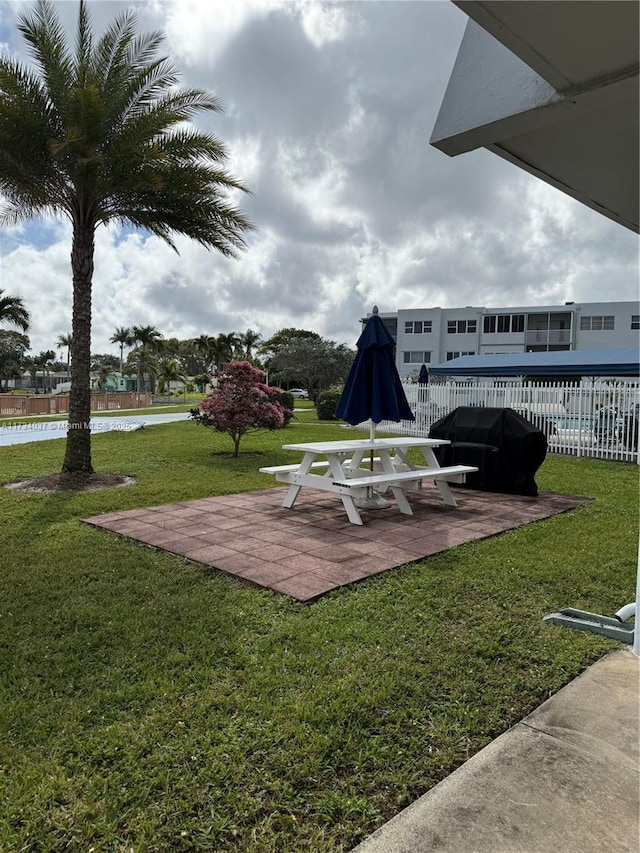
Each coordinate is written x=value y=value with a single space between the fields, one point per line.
x=78 y=450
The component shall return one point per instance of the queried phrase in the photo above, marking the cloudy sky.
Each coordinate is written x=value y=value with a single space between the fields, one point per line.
x=329 y=108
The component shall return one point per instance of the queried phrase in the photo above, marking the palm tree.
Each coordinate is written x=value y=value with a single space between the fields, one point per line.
x=104 y=371
x=65 y=341
x=223 y=349
x=30 y=364
x=12 y=310
x=43 y=362
x=150 y=340
x=248 y=340
x=142 y=362
x=99 y=132
x=169 y=371
x=205 y=344
x=122 y=336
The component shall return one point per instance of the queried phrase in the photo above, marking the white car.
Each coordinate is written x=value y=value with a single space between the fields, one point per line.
x=299 y=393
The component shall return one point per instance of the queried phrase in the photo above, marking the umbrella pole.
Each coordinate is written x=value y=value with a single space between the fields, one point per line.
x=373 y=500
x=372 y=438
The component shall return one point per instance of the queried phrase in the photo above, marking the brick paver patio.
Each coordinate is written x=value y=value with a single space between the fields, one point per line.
x=312 y=549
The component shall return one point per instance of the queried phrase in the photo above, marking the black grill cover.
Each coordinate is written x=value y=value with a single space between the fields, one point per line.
x=505 y=447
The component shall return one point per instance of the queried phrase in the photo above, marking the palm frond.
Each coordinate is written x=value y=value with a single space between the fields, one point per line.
x=47 y=41
x=84 y=43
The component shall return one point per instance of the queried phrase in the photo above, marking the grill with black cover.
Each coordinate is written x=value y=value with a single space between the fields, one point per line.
x=505 y=447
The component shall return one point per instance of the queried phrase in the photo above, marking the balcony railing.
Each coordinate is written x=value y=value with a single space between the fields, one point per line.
x=548 y=336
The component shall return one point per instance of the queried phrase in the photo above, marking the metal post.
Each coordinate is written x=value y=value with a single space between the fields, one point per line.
x=636 y=628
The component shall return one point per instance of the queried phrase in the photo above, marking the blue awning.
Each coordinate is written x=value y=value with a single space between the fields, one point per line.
x=602 y=362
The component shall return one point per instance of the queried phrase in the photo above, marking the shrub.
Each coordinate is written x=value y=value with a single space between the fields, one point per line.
x=326 y=403
x=241 y=403
x=285 y=398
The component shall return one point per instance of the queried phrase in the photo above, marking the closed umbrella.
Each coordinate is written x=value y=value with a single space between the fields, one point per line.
x=423 y=376
x=373 y=390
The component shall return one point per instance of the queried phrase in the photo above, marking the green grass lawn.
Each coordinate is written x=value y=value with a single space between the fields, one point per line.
x=151 y=704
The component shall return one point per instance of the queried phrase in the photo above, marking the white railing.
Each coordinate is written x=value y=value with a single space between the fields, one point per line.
x=599 y=421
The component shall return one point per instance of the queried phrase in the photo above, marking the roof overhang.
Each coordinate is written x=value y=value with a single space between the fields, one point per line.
x=553 y=88
x=609 y=362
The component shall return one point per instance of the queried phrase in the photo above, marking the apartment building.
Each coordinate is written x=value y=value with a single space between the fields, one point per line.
x=434 y=335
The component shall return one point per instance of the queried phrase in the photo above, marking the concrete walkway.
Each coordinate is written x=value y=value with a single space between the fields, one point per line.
x=566 y=778
x=20 y=432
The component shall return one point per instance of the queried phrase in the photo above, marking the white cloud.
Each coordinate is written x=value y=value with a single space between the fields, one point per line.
x=329 y=110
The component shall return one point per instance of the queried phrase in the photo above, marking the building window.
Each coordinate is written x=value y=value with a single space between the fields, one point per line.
x=417 y=357
x=503 y=323
x=517 y=322
x=635 y=321
x=461 y=327
x=597 y=324
x=417 y=327
x=456 y=354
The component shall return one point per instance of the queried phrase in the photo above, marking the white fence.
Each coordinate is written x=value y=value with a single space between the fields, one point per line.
x=599 y=421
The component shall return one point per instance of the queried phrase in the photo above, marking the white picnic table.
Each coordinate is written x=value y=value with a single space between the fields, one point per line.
x=353 y=468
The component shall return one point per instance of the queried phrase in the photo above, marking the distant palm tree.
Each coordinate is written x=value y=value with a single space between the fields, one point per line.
x=168 y=372
x=205 y=344
x=142 y=362
x=248 y=340
x=122 y=336
x=103 y=372
x=223 y=349
x=149 y=339
x=65 y=341
x=43 y=362
x=12 y=310
x=99 y=132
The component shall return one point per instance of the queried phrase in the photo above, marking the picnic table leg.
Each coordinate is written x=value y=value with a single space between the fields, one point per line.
x=351 y=509
x=389 y=466
x=441 y=485
x=401 y=499
x=336 y=470
x=292 y=494
x=293 y=490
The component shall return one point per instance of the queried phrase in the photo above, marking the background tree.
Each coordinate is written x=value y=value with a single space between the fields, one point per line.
x=44 y=361
x=206 y=347
x=30 y=365
x=105 y=358
x=223 y=348
x=193 y=360
x=240 y=404
x=104 y=371
x=146 y=355
x=282 y=339
x=168 y=372
x=12 y=310
x=314 y=363
x=13 y=346
x=99 y=132
x=248 y=341
x=62 y=342
x=122 y=336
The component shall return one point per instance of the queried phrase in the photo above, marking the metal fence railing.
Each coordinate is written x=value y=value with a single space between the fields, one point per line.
x=600 y=420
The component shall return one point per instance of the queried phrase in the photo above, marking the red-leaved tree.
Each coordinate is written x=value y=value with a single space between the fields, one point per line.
x=241 y=403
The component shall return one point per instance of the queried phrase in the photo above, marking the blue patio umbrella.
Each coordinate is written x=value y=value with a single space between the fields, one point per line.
x=373 y=390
